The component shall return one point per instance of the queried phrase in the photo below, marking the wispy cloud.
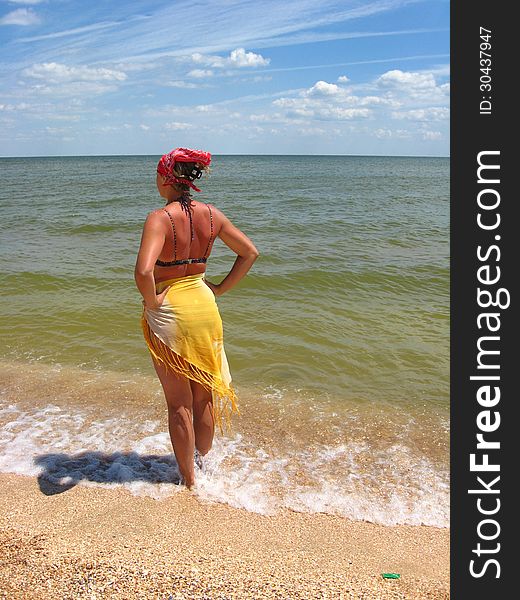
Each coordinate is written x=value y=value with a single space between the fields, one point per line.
x=200 y=73
x=374 y=61
x=177 y=126
x=313 y=37
x=70 y=32
x=184 y=85
x=233 y=78
x=74 y=89
x=227 y=26
x=438 y=113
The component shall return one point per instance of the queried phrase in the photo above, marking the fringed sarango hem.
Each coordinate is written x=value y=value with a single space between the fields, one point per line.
x=225 y=401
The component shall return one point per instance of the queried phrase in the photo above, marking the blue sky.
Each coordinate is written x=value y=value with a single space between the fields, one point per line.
x=228 y=76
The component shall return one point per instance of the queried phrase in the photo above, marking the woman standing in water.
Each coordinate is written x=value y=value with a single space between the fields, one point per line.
x=181 y=322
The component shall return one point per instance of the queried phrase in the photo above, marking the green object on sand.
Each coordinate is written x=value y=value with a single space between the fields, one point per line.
x=391 y=575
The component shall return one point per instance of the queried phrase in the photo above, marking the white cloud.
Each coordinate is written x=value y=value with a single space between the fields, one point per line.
x=176 y=126
x=322 y=88
x=237 y=59
x=57 y=130
x=388 y=114
x=241 y=58
x=144 y=127
x=311 y=131
x=61 y=117
x=63 y=80
x=342 y=114
x=330 y=113
x=424 y=114
x=133 y=67
x=323 y=92
x=200 y=73
x=286 y=102
x=416 y=85
x=374 y=100
x=397 y=78
x=259 y=118
x=203 y=59
x=74 y=88
x=328 y=101
x=20 y=16
x=47 y=111
x=343 y=79
x=58 y=73
x=301 y=113
x=275 y=117
x=258 y=78
x=10 y=107
x=187 y=85
x=431 y=135
x=383 y=133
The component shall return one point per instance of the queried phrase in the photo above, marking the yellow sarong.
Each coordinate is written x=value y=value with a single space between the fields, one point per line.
x=185 y=334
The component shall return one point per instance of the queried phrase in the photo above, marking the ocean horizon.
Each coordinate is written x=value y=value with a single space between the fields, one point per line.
x=227 y=154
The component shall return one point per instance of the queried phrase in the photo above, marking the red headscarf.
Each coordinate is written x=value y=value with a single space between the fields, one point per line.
x=167 y=163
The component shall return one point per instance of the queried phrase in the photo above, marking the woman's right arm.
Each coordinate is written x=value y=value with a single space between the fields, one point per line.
x=152 y=241
x=242 y=246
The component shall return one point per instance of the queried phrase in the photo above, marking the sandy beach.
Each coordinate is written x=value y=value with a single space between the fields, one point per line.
x=89 y=542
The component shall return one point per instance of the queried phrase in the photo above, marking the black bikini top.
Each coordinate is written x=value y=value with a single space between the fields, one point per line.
x=186 y=261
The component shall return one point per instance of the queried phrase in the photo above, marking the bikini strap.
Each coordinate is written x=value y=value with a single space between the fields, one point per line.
x=211 y=231
x=191 y=223
x=174 y=235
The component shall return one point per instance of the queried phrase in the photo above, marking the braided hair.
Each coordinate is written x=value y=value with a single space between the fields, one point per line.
x=183 y=169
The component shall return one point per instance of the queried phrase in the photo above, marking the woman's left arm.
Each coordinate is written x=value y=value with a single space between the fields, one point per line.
x=152 y=241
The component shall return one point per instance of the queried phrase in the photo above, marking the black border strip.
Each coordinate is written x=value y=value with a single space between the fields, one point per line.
x=482 y=130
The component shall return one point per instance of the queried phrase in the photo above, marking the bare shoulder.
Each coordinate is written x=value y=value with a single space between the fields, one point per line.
x=154 y=219
x=217 y=215
x=156 y=212
x=231 y=235
x=213 y=208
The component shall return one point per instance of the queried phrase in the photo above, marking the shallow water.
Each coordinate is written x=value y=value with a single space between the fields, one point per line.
x=337 y=340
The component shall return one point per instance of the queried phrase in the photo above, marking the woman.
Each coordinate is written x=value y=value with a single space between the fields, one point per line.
x=180 y=320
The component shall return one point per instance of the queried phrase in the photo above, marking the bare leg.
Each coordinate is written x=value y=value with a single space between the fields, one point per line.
x=203 y=423
x=179 y=399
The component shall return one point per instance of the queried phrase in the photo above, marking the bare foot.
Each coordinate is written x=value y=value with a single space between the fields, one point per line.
x=189 y=484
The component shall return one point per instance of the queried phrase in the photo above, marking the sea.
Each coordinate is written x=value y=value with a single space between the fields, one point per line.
x=337 y=339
